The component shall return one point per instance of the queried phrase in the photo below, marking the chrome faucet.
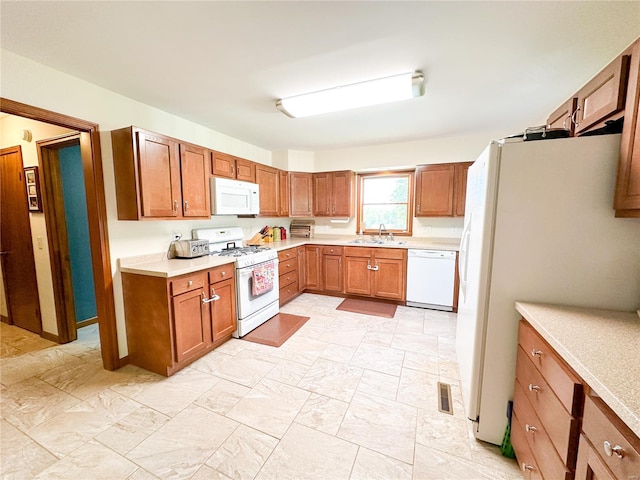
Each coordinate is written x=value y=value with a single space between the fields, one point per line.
x=381 y=229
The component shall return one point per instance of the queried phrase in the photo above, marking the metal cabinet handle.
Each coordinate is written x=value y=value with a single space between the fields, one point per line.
x=533 y=388
x=223 y=273
x=564 y=122
x=189 y=283
x=574 y=117
x=616 y=450
x=527 y=468
x=369 y=267
x=536 y=353
x=214 y=298
x=175 y=206
x=530 y=428
x=186 y=205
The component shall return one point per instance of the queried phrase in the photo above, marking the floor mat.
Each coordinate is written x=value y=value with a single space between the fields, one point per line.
x=277 y=330
x=368 y=307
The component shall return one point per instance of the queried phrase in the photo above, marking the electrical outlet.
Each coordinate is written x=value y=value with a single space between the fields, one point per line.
x=176 y=236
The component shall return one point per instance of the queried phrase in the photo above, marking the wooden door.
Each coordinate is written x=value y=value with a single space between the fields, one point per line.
x=357 y=277
x=16 y=246
x=223 y=311
x=283 y=194
x=332 y=273
x=159 y=170
x=302 y=269
x=223 y=165
x=300 y=194
x=313 y=270
x=245 y=170
x=322 y=194
x=460 y=187
x=390 y=279
x=267 y=178
x=194 y=169
x=191 y=324
x=341 y=194
x=434 y=190
x=589 y=465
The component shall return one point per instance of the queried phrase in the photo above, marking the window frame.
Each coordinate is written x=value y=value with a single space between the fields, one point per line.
x=410 y=174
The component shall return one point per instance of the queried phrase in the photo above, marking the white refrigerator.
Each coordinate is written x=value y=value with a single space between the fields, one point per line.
x=539 y=226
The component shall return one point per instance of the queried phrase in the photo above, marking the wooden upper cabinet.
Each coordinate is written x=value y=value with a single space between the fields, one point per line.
x=627 y=196
x=147 y=175
x=194 y=168
x=604 y=95
x=225 y=165
x=334 y=194
x=268 y=179
x=283 y=193
x=300 y=194
x=563 y=116
x=460 y=187
x=434 y=190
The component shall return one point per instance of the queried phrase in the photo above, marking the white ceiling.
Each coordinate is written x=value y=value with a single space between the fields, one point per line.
x=498 y=66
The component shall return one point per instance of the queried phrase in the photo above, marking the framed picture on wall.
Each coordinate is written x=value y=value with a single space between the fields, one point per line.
x=32 y=185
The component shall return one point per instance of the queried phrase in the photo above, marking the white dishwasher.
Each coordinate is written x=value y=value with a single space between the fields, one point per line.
x=430 y=279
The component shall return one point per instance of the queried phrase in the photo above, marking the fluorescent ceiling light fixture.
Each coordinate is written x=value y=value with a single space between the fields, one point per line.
x=362 y=94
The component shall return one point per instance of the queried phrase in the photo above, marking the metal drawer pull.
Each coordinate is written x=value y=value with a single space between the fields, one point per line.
x=526 y=467
x=615 y=450
x=533 y=388
x=530 y=428
x=214 y=298
x=536 y=353
x=189 y=283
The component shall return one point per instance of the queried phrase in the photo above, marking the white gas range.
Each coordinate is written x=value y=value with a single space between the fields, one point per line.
x=257 y=286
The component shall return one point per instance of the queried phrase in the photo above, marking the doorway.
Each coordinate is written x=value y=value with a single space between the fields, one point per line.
x=16 y=248
x=66 y=216
x=89 y=137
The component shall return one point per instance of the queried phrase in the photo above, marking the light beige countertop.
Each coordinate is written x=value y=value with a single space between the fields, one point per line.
x=602 y=346
x=158 y=265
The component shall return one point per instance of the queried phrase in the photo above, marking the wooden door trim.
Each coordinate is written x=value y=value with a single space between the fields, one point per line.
x=57 y=237
x=97 y=216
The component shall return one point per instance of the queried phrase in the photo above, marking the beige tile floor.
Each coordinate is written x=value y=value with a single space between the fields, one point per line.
x=349 y=396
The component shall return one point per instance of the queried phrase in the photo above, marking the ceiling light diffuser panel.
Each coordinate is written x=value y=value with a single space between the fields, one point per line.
x=345 y=97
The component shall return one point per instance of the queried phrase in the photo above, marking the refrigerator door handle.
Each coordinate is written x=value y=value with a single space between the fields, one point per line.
x=462 y=257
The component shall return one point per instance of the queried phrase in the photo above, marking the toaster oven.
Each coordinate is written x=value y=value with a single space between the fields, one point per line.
x=191 y=248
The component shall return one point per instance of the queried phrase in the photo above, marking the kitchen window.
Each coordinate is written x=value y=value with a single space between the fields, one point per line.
x=386 y=198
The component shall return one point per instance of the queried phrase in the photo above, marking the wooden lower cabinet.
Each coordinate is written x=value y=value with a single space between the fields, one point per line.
x=332 y=269
x=173 y=321
x=376 y=272
x=313 y=267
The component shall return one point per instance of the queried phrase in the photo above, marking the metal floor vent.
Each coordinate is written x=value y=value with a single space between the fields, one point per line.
x=444 y=398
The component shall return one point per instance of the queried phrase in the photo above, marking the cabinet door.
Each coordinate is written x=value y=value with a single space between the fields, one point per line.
x=434 y=190
x=390 y=279
x=357 y=277
x=283 y=195
x=160 y=194
x=267 y=178
x=562 y=117
x=627 y=198
x=332 y=273
x=194 y=166
x=313 y=269
x=460 y=187
x=223 y=165
x=191 y=325
x=223 y=311
x=300 y=194
x=342 y=194
x=245 y=170
x=589 y=465
x=322 y=194
x=604 y=95
x=302 y=269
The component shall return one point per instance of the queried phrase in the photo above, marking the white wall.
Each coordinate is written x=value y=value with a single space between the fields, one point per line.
x=11 y=135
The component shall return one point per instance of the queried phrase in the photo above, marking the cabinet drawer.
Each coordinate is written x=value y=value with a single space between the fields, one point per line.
x=526 y=461
x=391 y=253
x=357 y=252
x=290 y=253
x=601 y=425
x=534 y=430
x=288 y=278
x=287 y=266
x=332 y=250
x=188 y=283
x=288 y=292
x=559 y=424
x=223 y=272
x=562 y=381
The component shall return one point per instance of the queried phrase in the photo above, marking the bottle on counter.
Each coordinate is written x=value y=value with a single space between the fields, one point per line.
x=276 y=234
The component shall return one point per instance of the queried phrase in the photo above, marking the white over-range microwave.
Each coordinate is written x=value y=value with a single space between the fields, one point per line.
x=234 y=197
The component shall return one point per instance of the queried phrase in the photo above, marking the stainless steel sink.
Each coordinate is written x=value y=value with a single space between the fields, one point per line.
x=358 y=241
